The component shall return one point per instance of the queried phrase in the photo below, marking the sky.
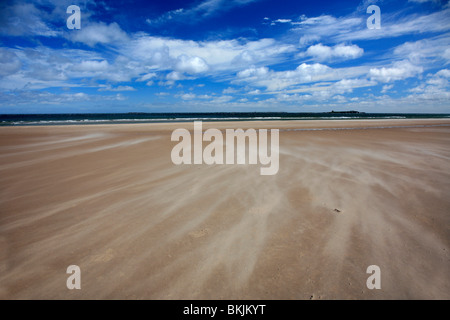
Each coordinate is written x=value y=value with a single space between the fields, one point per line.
x=225 y=56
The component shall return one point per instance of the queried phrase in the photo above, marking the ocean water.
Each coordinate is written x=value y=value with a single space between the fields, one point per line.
x=107 y=118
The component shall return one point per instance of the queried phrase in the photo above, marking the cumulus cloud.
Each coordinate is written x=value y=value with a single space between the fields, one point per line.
x=435 y=88
x=118 y=88
x=229 y=90
x=121 y=69
x=194 y=57
x=191 y=65
x=443 y=73
x=340 y=51
x=222 y=99
x=174 y=76
x=187 y=96
x=253 y=73
x=93 y=65
x=347 y=85
x=347 y=52
x=99 y=33
x=399 y=71
x=437 y=82
x=323 y=91
x=276 y=80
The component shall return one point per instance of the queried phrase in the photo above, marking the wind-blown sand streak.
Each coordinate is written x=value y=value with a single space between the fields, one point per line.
x=108 y=199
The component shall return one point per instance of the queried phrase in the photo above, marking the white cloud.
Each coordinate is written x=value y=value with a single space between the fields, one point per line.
x=254 y=92
x=347 y=52
x=393 y=26
x=443 y=73
x=423 y=1
x=187 y=96
x=121 y=69
x=323 y=91
x=222 y=99
x=193 y=57
x=386 y=88
x=99 y=33
x=203 y=9
x=147 y=76
x=192 y=96
x=93 y=66
x=426 y=52
x=277 y=80
x=325 y=27
x=44 y=67
x=37 y=97
x=190 y=65
x=436 y=87
x=320 y=51
x=283 y=20
x=446 y=55
x=229 y=90
x=347 y=85
x=351 y=28
x=24 y=19
x=399 y=71
x=308 y=39
x=263 y=67
x=9 y=62
x=253 y=73
x=174 y=76
x=33 y=68
x=293 y=97
x=118 y=88
x=340 y=51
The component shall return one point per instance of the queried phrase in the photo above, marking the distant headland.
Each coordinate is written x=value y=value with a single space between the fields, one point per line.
x=349 y=111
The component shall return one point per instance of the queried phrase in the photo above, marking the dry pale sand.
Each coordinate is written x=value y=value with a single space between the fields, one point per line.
x=108 y=199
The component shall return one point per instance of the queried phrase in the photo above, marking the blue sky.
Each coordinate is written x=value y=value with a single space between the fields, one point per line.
x=224 y=55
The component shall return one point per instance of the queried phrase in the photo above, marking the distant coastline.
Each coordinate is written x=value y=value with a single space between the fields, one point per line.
x=351 y=112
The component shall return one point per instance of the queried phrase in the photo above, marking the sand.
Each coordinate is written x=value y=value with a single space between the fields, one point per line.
x=109 y=199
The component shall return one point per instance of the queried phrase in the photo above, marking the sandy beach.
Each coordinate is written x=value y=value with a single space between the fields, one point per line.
x=109 y=199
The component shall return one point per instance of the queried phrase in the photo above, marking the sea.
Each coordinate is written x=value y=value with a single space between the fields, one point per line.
x=138 y=117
